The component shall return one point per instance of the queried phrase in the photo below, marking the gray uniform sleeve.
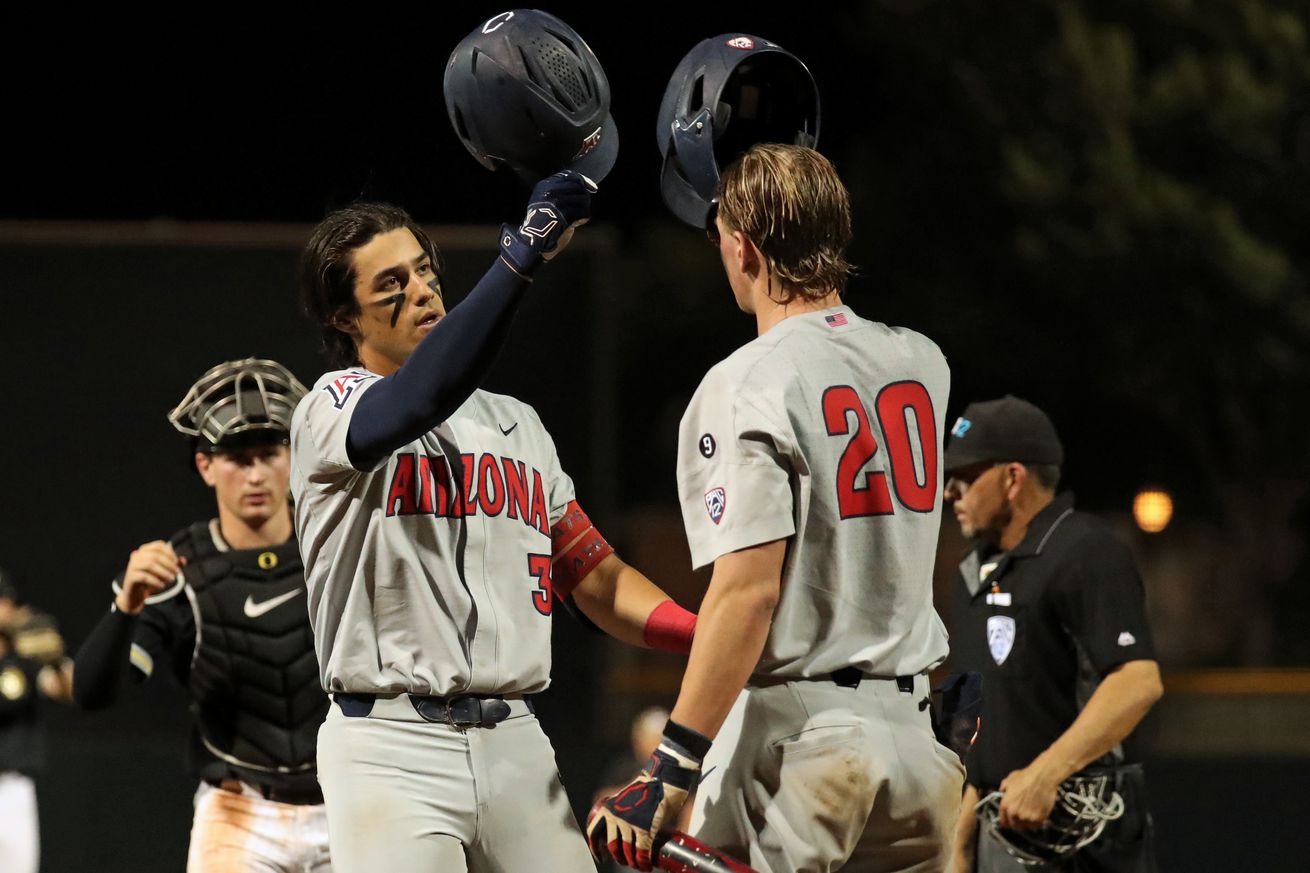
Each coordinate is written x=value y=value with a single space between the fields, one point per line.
x=734 y=471
x=322 y=421
x=559 y=486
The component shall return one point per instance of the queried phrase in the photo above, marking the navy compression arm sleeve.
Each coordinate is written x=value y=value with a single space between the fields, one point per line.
x=441 y=373
x=103 y=659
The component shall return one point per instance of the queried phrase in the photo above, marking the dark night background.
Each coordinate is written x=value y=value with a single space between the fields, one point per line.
x=1103 y=207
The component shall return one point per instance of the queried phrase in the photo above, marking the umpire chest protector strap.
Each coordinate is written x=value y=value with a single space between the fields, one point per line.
x=254 y=674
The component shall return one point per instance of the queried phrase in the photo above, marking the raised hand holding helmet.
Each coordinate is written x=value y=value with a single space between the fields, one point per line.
x=558 y=204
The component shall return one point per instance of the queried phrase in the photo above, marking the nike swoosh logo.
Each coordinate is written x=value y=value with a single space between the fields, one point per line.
x=706 y=774
x=255 y=610
x=511 y=428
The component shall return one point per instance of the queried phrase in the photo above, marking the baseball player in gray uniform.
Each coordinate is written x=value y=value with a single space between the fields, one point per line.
x=809 y=475
x=438 y=531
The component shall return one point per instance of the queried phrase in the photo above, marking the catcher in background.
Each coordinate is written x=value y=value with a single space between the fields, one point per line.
x=221 y=606
x=32 y=664
x=1049 y=608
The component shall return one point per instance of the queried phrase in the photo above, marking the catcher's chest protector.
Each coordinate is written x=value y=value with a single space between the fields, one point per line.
x=254 y=675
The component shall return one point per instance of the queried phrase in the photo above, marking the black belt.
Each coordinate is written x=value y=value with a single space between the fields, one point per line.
x=459 y=712
x=846 y=677
x=851 y=677
x=311 y=795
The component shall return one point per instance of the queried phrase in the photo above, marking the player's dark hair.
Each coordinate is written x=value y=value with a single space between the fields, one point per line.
x=327 y=268
x=1047 y=475
x=789 y=202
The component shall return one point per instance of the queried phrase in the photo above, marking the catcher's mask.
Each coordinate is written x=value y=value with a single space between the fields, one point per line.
x=239 y=403
x=728 y=93
x=1084 y=805
x=524 y=91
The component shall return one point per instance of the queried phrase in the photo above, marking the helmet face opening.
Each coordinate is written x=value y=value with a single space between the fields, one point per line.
x=764 y=100
x=729 y=93
x=524 y=91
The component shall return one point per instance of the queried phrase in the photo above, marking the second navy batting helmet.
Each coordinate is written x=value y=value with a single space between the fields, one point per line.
x=525 y=91
x=730 y=92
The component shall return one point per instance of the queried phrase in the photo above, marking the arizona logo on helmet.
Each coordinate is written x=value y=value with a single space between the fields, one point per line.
x=589 y=143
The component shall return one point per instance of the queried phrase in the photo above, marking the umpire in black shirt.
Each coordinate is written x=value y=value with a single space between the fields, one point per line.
x=1048 y=607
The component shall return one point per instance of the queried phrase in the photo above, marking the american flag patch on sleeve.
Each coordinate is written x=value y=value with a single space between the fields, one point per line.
x=835 y=320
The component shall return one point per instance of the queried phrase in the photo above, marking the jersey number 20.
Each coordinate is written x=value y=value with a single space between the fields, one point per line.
x=841 y=403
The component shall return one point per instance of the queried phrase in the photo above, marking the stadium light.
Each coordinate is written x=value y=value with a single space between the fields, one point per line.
x=1153 y=508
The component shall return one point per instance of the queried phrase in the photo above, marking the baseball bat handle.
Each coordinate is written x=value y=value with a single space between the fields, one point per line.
x=678 y=853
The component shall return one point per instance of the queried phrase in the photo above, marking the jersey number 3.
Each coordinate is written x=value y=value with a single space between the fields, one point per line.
x=539 y=569
x=841 y=403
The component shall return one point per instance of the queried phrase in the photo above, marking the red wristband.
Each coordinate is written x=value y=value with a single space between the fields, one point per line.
x=670 y=627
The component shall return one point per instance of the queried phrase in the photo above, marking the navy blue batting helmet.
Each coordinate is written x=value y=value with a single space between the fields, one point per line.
x=730 y=92
x=524 y=91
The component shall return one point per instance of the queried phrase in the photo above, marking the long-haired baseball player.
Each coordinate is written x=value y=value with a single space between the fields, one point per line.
x=439 y=531
x=221 y=606
x=809 y=476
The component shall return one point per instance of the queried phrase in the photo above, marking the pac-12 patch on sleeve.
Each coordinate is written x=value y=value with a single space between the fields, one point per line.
x=716 y=501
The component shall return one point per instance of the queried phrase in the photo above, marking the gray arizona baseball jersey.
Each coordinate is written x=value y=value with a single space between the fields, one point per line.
x=827 y=429
x=431 y=573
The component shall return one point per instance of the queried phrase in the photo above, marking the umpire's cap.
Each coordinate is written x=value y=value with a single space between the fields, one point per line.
x=244 y=402
x=730 y=92
x=524 y=91
x=1008 y=429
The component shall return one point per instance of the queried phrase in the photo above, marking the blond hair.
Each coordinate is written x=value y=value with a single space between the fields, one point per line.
x=789 y=202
